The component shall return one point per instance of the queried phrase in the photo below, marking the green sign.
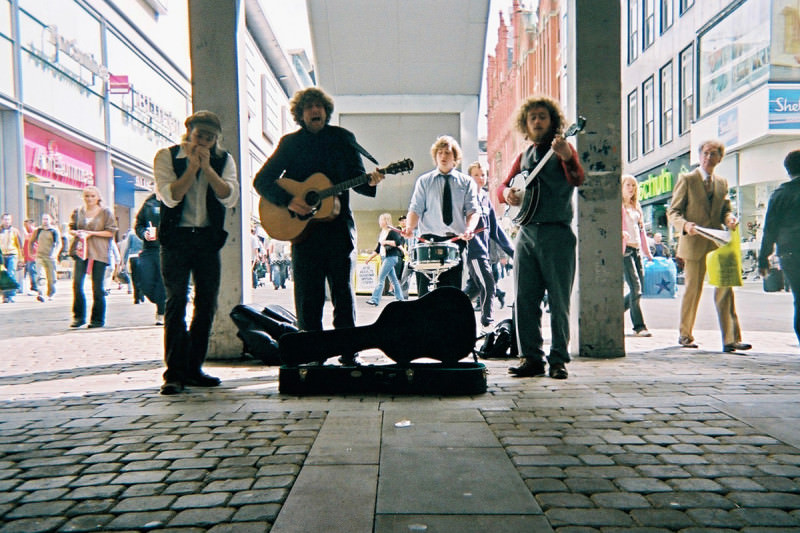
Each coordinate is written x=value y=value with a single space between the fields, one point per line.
x=657 y=184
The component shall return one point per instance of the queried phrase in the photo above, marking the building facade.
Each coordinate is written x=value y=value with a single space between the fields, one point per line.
x=93 y=91
x=527 y=61
x=717 y=69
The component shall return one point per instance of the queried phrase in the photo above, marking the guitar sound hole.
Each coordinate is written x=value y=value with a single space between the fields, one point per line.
x=313 y=199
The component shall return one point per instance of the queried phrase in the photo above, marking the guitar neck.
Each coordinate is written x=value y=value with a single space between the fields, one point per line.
x=539 y=167
x=309 y=346
x=343 y=186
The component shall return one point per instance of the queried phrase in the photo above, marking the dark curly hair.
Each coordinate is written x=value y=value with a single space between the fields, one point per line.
x=556 y=116
x=312 y=95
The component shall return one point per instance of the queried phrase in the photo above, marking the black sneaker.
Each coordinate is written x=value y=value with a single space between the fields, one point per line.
x=528 y=369
x=171 y=387
x=201 y=380
x=558 y=371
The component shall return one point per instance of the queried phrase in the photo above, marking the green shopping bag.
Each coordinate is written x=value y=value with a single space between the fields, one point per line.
x=724 y=265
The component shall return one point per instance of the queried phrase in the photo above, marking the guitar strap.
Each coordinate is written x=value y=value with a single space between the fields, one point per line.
x=364 y=152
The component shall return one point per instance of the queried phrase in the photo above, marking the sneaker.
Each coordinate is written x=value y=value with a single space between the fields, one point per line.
x=171 y=387
x=372 y=303
x=528 y=369
x=40 y=298
x=77 y=323
x=643 y=333
x=159 y=320
x=558 y=371
x=201 y=380
x=95 y=325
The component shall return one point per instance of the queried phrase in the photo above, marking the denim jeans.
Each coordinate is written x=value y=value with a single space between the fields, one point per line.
x=387 y=269
x=10 y=261
x=634 y=278
x=98 y=275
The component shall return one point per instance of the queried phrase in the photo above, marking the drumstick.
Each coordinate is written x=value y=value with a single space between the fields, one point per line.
x=420 y=239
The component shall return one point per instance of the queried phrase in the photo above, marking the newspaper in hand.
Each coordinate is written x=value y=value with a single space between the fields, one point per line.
x=720 y=236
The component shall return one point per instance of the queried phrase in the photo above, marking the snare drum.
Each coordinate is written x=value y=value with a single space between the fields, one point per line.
x=435 y=256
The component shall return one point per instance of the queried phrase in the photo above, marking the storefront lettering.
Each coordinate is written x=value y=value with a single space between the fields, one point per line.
x=785 y=105
x=655 y=185
x=52 y=162
x=153 y=115
x=60 y=44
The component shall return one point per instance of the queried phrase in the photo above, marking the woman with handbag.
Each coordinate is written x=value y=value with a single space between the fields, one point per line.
x=634 y=243
x=92 y=227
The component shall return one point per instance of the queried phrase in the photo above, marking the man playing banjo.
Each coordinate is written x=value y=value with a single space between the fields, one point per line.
x=544 y=257
x=444 y=210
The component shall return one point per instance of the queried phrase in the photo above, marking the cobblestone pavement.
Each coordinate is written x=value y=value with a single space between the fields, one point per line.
x=662 y=440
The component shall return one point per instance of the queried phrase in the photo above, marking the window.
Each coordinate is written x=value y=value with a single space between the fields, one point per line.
x=665 y=107
x=633 y=126
x=633 y=30
x=685 y=5
x=686 y=89
x=649 y=22
x=648 y=115
x=667 y=14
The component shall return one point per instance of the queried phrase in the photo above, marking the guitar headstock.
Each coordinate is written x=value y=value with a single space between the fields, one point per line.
x=577 y=126
x=406 y=165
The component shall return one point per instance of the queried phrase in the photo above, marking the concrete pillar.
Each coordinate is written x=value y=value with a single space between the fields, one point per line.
x=596 y=90
x=13 y=198
x=216 y=35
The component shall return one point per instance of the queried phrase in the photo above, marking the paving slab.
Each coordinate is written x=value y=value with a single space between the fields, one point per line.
x=452 y=481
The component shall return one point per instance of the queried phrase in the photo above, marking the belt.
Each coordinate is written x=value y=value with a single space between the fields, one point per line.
x=193 y=229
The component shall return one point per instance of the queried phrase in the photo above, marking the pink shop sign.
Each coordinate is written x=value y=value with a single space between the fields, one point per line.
x=51 y=157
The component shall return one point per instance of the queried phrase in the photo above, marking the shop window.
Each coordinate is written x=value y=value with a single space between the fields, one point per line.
x=665 y=103
x=633 y=126
x=648 y=116
x=667 y=14
x=649 y=22
x=686 y=89
x=633 y=30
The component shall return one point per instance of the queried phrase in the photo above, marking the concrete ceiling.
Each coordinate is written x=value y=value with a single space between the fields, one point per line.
x=399 y=47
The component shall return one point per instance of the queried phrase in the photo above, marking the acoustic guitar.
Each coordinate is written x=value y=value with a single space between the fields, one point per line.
x=317 y=191
x=439 y=325
x=529 y=182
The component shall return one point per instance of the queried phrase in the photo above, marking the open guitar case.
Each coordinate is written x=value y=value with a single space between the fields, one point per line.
x=438 y=327
x=260 y=330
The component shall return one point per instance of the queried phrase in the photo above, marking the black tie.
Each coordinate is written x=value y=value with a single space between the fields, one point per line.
x=447 y=201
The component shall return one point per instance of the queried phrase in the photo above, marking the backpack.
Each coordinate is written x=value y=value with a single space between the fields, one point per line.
x=500 y=343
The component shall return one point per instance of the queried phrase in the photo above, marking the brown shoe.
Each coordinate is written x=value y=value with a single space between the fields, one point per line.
x=687 y=342
x=740 y=346
x=529 y=368
x=558 y=371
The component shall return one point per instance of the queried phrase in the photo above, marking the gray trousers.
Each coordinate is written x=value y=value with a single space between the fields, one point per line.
x=544 y=261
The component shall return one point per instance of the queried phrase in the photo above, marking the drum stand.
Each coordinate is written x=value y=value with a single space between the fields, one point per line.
x=433 y=274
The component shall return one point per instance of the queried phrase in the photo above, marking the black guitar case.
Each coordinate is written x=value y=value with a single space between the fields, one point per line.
x=462 y=379
x=439 y=326
x=259 y=330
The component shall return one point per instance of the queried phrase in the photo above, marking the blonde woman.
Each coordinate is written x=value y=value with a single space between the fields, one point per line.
x=96 y=225
x=390 y=249
x=633 y=244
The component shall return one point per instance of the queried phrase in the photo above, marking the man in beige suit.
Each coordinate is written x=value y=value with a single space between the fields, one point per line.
x=700 y=198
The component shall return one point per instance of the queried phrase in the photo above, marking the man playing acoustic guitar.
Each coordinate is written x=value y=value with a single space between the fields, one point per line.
x=324 y=252
x=544 y=256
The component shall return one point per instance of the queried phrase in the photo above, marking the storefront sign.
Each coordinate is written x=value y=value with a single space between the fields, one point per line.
x=655 y=185
x=55 y=44
x=660 y=181
x=784 y=109
x=54 y=158
x=149 y=112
